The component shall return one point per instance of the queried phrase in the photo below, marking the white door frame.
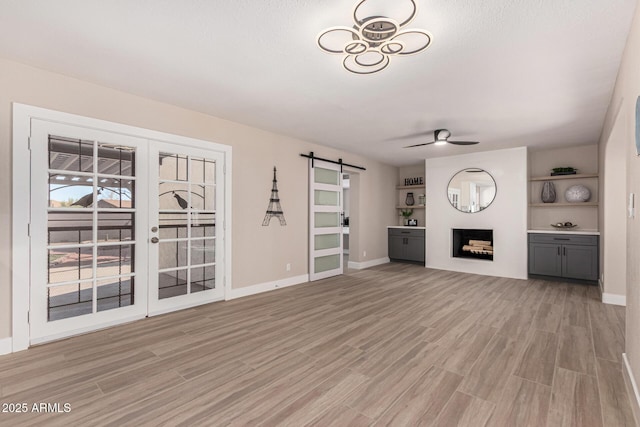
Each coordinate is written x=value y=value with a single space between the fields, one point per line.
x=21 y=185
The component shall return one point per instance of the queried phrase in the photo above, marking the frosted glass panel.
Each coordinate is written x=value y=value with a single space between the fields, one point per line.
x=327 y=219
x=327 y=241
x=329 y=262
x=325 y=176
x=326 y=198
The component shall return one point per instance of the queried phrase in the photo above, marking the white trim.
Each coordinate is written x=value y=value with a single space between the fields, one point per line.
x=5 y=345
x=614 y=299
x=267 y=286
x=367 y=264
x=630 y=382
x=85 y=330
x=21 y=209
x=177 y=307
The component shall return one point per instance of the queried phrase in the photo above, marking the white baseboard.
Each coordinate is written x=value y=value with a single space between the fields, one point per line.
x=367 y=264
x=614 y=299
x=6 y=346
x=632 y=387
x=267 y=286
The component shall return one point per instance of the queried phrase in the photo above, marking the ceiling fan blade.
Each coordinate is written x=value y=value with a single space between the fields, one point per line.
x=414 y=135
x=463 y=142
x=420 y=145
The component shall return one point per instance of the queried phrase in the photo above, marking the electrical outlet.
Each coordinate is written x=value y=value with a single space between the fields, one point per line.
x=364 y=253
x=288 y=267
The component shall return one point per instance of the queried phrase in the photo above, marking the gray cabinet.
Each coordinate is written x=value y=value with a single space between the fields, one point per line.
x=406 y=244
x=570 y=256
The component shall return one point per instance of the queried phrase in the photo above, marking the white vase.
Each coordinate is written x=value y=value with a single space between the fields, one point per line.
x=577 y=194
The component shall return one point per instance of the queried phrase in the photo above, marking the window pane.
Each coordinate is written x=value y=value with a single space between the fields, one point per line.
x=324 y=263
x=67 y=265
x=115 y=226
x=173 y=167
x=114 y=160
x=173 y=196
x=116 y=193
x=203 y=224
x=70 y=228
x=203 y=197
x=70 y=154
x=327 y=198
x=173 y=225
x=69 y=300
x=203 y=171
x=115 y=293
x=70 y=191
x=172 y=283
x=327 y=219
x=326 y=241
x=173 y=254
x=203 y=251
x=326 y=176
x=203 y=278
x=114 y=260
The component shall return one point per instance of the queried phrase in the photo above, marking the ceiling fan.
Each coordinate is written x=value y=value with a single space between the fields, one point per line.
x=441 y=137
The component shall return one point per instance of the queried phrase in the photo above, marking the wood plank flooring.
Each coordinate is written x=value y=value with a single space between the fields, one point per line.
x=391 y=345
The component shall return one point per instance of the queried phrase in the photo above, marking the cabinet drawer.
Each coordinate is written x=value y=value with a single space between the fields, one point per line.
x=563 y=239
x=406 y=232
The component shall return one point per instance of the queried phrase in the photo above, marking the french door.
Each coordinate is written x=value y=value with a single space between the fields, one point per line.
x=325 y=220
x=121 y=227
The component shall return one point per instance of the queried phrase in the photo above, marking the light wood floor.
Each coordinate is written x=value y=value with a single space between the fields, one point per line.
x=392 y=345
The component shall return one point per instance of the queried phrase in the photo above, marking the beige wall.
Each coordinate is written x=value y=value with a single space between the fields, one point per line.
x=260 y=254
x=622 y=111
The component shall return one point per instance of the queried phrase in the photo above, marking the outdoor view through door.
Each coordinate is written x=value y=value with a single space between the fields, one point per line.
x=90 y=232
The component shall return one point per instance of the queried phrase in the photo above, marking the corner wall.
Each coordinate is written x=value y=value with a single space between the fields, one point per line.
x=260 y=254
x=623 y=106
x=507 y=215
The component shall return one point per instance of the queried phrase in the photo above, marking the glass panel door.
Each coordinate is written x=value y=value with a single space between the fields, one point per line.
x=186 y=254
x=325 y=228
x=85 y=230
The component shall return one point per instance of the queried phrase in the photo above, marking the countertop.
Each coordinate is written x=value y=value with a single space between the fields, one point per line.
x=570 y=231
x=406 y=226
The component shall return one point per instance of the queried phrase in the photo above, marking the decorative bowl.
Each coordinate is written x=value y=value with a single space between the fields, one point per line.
x=564 y=226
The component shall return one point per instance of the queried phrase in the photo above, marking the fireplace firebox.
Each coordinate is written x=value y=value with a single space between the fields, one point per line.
x=473 y=243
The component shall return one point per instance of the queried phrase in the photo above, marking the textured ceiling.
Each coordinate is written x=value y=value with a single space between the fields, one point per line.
x=504 y=72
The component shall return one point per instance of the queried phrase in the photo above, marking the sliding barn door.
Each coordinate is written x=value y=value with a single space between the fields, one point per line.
x=325 y=227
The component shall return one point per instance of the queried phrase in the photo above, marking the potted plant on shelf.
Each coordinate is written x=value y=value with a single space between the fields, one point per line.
x=406 y=214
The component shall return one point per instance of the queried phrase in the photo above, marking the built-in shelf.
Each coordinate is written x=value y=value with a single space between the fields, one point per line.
x=562 y=205
x=556 y=177
x=411 y=207
x=409 y=187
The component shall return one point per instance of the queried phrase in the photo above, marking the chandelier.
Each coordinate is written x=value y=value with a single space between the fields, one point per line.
x=371 y=42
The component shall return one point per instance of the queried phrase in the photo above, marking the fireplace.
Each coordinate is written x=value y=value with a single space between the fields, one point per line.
x=472 y=243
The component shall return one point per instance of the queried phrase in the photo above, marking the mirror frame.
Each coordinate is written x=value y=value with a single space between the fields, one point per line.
x=495 y=186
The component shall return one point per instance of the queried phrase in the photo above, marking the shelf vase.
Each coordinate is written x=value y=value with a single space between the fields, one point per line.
x=409 y=201
x=548 y=194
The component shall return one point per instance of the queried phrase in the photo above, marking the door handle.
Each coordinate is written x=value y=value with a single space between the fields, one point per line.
x=154 y=240
x=564 y=251
x=558 y=250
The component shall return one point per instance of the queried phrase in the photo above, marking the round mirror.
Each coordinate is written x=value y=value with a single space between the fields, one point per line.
x=471 y=190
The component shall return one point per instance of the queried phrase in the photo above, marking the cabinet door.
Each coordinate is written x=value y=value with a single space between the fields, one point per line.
x=396 y=247
x=414 y=249
x=545 y=259
x=580 y=262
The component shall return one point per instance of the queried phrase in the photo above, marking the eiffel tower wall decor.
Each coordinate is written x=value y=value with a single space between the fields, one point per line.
x=274 y=209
